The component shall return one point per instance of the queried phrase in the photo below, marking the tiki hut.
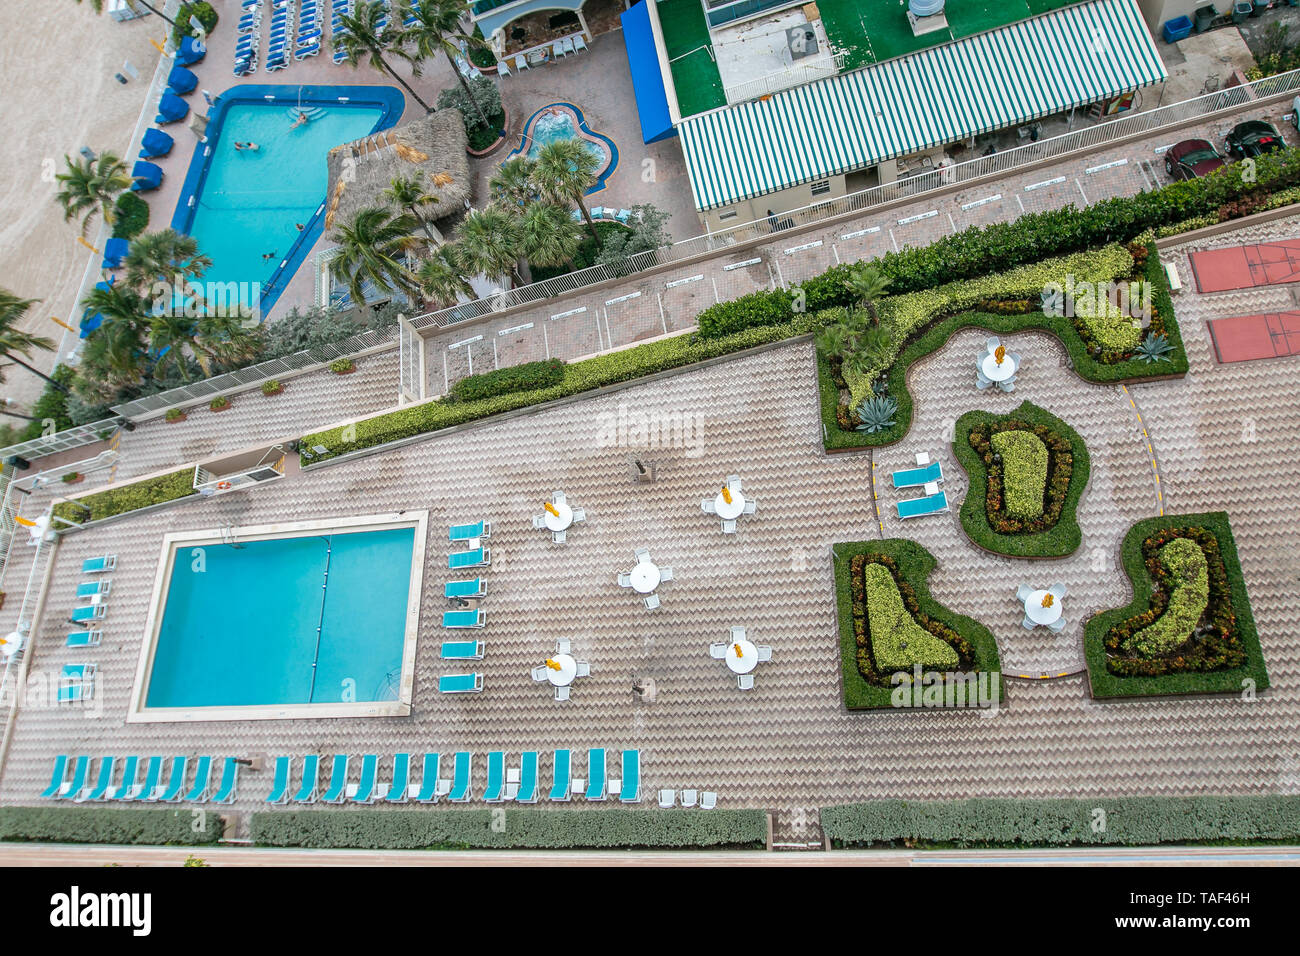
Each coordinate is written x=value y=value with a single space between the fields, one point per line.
x=430 y=150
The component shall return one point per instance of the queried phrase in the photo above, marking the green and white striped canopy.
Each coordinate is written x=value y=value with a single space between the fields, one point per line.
x=1047 y=64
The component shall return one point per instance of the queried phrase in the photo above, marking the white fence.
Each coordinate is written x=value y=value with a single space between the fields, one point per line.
x=797 y=74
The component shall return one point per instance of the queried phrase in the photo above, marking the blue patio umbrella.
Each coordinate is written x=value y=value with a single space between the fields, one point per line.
x=146 y=175
x=191 y=51
x=93 y=320
x=181 y=80
x=171 y=108
x=114 y=251
x=155 y=143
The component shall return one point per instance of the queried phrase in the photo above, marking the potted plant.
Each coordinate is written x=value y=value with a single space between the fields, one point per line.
x=73 y=478
x=219 y=404
x=2 y=599
x=175 y=415
x=273 y=387
x=343 y=366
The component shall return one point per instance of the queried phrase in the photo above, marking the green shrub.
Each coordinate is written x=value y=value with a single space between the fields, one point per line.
x=1024 y=471
x=587 y=253
x=523 y=829
x=754 y=310
x=130 y=216
x=1130 y=821
x=480 y=54
x=103 y=825
x=1189 y=580
x=174 y=414
x=197 y=8
x=488 y=98
x=512 y=378
x=273 y=387
x=52 y=406
x=218 y=403
x=132 y=497
x=897 y=641
x=342 y=366
x=70 y=477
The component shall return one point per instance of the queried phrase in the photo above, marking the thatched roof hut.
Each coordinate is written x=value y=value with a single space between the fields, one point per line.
x=431 y=150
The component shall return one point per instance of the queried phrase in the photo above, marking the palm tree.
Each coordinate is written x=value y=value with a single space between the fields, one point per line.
x=440 y=279
x=410 y=195
x=373 y=246
x=91 y=185
x=226 y=340
x=170 y=332
x=361 y=39
x=435 y=27
x=488 y=243
x=565 y=169
x=837 y=340
x=14 y=339
x=867 y=284
x=114 y=353
x=548 y=236
x=512 y=185
x=98 y=7
x=167 y=257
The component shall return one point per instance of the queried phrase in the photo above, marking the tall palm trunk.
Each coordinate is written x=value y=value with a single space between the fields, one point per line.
x=415 y=213
x=464 y=85
x=406 y=86
x=17 y=361
x=152 y=9
x=591 y=225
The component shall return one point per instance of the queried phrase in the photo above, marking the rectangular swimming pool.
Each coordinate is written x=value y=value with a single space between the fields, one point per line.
x=315 y=619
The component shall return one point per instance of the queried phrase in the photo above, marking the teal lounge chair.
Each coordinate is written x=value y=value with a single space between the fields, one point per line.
x=74 y=786
x=91 y=588
x=95 y=565
x=479 y=557
x=461 y=778
x=310 y=775
x=918 y=477
x=496 y=781
x=918 y=507
x=596 y=773
x=475 y=618
x=129 y=770
x=81 y=672
x=85 y=638
x=175 y=780
x=91 y=612
x=468 y=532
x=462 y=650
x=527 y=777
x=338 y=780
x=364 y=790
x=202 y=781
x=460 y=683
x=429 y=783
x=561 y=776
x=152 y=777
x=75 y=693
x=465 y=589
x=280 y=785
x=229 y=781
x=401 y=785
x=631 y=789
x=100 y=790
x=56 y=777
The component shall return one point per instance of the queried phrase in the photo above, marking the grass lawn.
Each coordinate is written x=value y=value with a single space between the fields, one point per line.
x=686 y=34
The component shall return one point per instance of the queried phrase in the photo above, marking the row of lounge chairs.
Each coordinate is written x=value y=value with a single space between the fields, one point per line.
x=466 y=595
x=73 y=780
x=77 y=681
x=569 y=46
x=929 y=475
x=519 y=784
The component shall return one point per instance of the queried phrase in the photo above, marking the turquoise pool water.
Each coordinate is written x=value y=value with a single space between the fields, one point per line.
x=240 y=623
x=552 y=127
x=560 y=121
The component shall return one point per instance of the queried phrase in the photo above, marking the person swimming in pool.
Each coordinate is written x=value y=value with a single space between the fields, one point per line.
x=302 y=120
x=268 y=256
x=250 y=146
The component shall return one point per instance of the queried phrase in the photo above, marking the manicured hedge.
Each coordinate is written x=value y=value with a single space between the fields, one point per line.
x=198 y=8
x=911 y=564
x=132 y=497
x=1240 y=643
x=1024 y=471
x=579 y=377
x=131 y=216
x=512 y=828
x=1122 y=821
x=1063 y=535
x=512 y=378
x=103 y=825
x=1188 y=596
x=52 y=405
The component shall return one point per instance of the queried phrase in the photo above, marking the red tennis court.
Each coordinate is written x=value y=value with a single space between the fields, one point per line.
x=1245 y=337
x=1240 y=267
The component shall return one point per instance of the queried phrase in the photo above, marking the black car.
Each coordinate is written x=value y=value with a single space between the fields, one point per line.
x=1253 y=138
x=1192 y=158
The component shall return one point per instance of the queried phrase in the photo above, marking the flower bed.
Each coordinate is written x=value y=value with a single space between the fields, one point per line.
x=997 y=515
x=132 y=497
x=883 y=603
x=1154 y=645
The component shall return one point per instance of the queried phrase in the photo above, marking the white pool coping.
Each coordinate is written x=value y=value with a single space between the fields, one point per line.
x=172 y=544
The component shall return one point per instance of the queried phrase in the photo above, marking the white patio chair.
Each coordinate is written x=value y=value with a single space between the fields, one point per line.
x=922 y=459
x=764 y=653
x=562 y=693
x=642 y=555
x=1027 y=624
x=1023 y=592
x=582 y=669
x=579 y=44
x=579 y=515
x=1015 y=359
x=557 y=49
x=624 y=579
x=728 y=525
x=512 y=791
x=568 y=46
x=559 y=537
x=665 y=574
x=539 y=522
x=688 y=798
x=502 y=69
x=718 y=650
x=745 y=681
x=1057 y=626
x=737 y=634
x=559 y=498
x=981 y=382
x=1057 y=591
x=667 y=798
x=751 y=505
x=562 y=646
x=993 y=343
x=539 y=673
x=651 y=601
x=733 y=482
x=521 y=63
x=708 y=800
x=1009 y=385
x=708 y=507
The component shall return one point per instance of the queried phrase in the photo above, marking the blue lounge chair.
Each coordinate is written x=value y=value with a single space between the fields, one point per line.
x=100 y=790
x=465 y=589
x=496 y=781
x=202 y=780
x=91 y=588
x=472 y=618
x=630 y=792
x=115 y=251
x=918 y=477
x=128 y=785
x=74 y=786
x=155 y=143
x=462 y=650
x=175 y=780
x=429 y=782
x=461 y=778
x=95 y=565
x=479 y=557
x=400 y=788
x=460 y=683
x=338 y=787
x=561 y=776
x=596 y=773
x=280 y=785
x=72 y=694
x=917 y=507
x=85 y=638
x=181 y=80
x=152 y=774
x=310 y=774
x=147 y=176
x=229 y=781
x=56 y=777
x=527 y=792
x=364 y=790
x=91 y=612
x=191 y=51
x=171 y=109
x=469 y=532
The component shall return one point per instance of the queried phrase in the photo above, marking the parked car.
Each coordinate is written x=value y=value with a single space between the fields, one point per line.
x=1253 y=138
x=1192 y=158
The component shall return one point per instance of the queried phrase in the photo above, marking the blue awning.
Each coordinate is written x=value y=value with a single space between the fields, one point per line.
x=647 y=81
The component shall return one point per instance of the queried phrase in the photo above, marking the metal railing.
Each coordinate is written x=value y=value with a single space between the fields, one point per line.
x=797 y=74
x=76 y=437
x=8 y=509
x=24 y=625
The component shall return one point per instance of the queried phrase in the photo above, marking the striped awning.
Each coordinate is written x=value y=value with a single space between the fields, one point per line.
x=1047 y=64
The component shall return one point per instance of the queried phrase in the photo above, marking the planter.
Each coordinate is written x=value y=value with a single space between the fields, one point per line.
x=222 y=408
x=2 y=598
x=497 y=145
x=344 y=372
x=278 y=390
x=177 y=419
x=74 y=481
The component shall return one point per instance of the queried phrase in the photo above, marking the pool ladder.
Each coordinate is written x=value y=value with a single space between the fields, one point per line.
x=228 y=536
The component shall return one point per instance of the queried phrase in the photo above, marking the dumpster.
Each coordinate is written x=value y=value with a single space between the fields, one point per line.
x=1179 y=28
x=1204 y=17
x=1241 y=10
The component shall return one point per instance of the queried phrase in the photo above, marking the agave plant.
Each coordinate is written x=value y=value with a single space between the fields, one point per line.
x=876 y=414
x=1154 y=348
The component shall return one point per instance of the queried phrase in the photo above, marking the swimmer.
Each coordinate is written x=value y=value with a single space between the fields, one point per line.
x=300 y=226
x=268 y=256
x=302 y=120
